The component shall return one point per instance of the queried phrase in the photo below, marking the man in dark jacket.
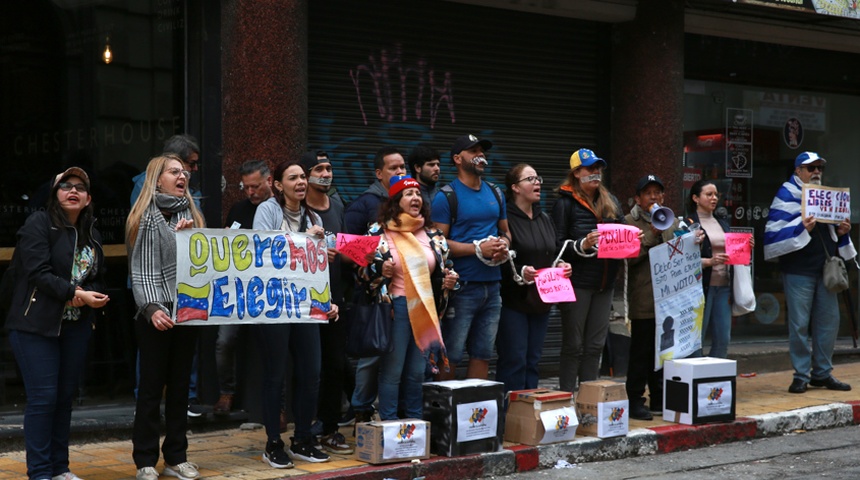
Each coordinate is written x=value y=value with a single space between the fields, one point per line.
x=640 y=296
x=359 y=215
x=424 y=165
x=362 y=212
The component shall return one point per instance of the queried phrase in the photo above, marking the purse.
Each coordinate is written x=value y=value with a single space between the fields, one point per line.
x=835 y=272
x=369 y=329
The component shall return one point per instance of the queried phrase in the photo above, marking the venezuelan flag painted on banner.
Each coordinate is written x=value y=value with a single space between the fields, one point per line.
x=320 y=303
x=192 y=303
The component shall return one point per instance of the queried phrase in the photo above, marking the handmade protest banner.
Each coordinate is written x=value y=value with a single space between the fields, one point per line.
x=553 y=286
x=738 y=248
x=618 y=241
x=679 y=301
x=226 y=276
x=356 y=247
x=827 y=204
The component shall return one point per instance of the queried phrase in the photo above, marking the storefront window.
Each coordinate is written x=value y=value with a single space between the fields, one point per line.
x=99 y=85
x=91 y=84
x=746 y=138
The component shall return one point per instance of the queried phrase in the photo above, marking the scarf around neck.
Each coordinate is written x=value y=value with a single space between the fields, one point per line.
x=153 y=261
x=419 y=289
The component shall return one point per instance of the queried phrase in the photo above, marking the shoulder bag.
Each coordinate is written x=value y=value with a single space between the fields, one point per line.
x=835 y=272
x=369 y=328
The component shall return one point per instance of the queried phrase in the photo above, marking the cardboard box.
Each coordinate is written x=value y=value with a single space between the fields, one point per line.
x=699 y=390
x=603 y=409
x=392 y=441
x=540 y=416
x=466 y=416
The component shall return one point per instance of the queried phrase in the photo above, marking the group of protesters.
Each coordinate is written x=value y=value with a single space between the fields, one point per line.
x=457 y=264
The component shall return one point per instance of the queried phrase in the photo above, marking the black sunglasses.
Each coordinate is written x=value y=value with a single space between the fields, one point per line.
x=66 y=187
x=812 y=168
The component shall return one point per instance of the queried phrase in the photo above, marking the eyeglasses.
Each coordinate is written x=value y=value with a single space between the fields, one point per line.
x=812 y=168
x=533 y=179
x=67 y=187
x=176 y=172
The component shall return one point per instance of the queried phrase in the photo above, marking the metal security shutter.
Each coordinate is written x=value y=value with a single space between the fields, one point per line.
x=405 y=72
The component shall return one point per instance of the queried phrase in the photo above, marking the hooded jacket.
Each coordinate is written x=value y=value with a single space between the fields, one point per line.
x=44 y=257
x=534 y=242
x=573 y=220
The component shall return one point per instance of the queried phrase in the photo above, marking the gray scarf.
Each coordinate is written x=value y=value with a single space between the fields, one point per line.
x=153 y=260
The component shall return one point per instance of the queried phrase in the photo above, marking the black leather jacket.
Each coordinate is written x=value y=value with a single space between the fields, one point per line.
x=43 y=257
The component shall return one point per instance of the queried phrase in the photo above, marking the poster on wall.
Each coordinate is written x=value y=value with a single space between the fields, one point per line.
x=679 y=301
x=839 y=8
x=739 y=142
x=792 y=133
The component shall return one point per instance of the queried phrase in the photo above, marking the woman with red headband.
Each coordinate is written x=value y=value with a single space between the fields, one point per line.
x=409 y=271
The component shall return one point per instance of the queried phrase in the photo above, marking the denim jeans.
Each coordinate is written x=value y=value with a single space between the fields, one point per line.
x=225 y=358
x=813 y=311
x=277 y=344
x=584 y=326
x=405 y=360
x=473 y=320
x=51 y=369
x=366 y=384
x=519 y=345
x=718 y=318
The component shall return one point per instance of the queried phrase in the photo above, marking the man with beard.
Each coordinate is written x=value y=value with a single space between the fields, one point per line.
x=478 y=238
x=802 y=245
x=333 y=334
x=425 y=167
x=257 y=186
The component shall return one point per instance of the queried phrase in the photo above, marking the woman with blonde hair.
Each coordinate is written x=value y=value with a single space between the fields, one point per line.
x=163 y=207
x=583 y=203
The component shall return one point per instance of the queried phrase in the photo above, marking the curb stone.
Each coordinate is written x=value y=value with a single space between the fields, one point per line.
x=638 y=442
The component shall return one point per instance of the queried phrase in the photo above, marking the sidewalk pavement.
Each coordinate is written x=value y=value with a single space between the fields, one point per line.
x=764 y=408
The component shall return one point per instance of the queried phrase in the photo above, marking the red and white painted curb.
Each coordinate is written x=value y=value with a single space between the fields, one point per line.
x=638 y=442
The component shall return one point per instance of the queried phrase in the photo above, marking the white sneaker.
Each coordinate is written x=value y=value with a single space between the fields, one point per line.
x=183 y=471
x=66 y=476
x=147 y=473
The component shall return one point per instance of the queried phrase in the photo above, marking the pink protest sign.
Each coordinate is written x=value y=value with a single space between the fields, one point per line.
x=618 y=241
x=553 y=287
x=356 y=247
x=738 y=248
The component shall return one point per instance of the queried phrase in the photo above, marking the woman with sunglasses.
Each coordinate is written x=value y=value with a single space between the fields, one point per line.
x=60 y=262
x=716 y=275
x=163 y=207
x=583 y=203
x=525 y=317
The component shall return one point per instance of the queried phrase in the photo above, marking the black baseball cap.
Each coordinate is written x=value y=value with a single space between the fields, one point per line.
x=646 y=180
x=468 y=141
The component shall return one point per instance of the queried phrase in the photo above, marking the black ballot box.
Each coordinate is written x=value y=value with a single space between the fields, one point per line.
x=467 y=416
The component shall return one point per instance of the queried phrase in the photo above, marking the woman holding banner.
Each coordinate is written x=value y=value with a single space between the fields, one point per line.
x=716 y=275
x=286 y=211
x=409 y=268
x=583 y=203
x=163 y=207
x=524 y=318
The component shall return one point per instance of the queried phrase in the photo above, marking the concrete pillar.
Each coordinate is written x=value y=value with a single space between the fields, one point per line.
x=265 y=85
x=647 y=100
